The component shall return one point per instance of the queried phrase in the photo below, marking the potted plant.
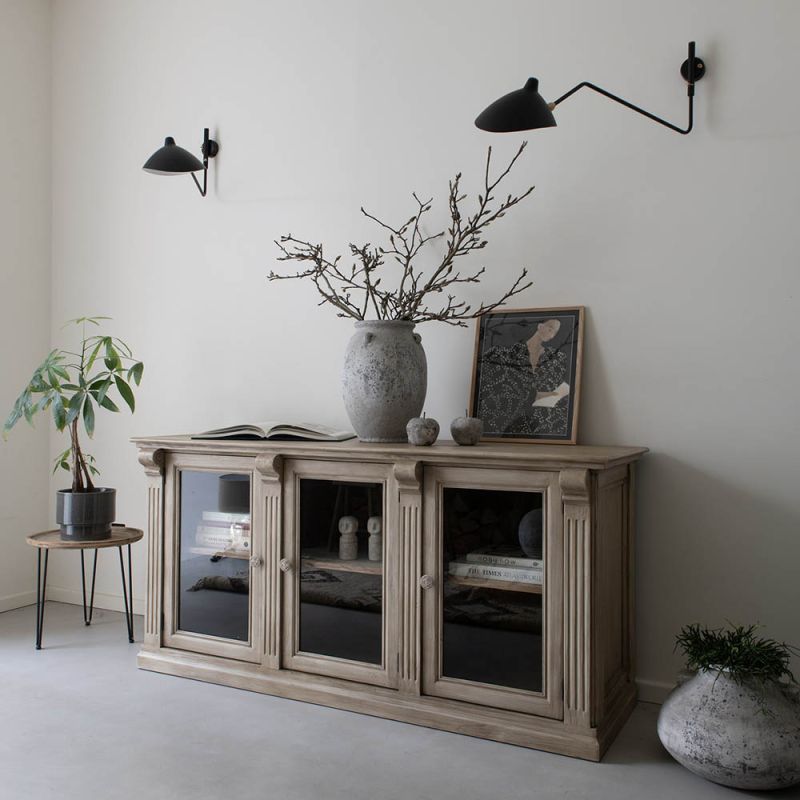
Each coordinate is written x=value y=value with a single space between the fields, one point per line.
x=385 y=370
x=73 y=385
x=736 y=721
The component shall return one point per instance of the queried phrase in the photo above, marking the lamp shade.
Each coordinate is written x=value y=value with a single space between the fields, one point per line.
x=521 y=110
x=172 y=160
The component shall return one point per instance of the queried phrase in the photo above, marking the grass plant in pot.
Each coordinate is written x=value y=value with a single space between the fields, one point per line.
x=736 y=721
x=387 y=292
x=73 y=385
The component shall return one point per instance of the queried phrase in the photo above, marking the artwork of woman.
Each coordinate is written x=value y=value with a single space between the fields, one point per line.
x=526 y=372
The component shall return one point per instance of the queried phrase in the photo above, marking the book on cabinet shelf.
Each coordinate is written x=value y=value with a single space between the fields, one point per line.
x=220 y=552
x=225 y=518
x=467 y=569
x=500 y=556
x=221 y=541
x=223 y=530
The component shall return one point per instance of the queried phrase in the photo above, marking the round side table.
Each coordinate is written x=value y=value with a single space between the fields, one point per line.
x=51 y=540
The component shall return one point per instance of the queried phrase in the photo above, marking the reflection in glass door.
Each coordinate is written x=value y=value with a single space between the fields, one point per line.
x=215 y=545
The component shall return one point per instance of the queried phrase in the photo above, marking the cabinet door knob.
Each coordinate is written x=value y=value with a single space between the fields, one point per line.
x=426 y=581
x=285 y=565
x=256 y=561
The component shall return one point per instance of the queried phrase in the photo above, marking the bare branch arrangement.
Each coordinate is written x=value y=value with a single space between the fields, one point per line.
x=357 y=291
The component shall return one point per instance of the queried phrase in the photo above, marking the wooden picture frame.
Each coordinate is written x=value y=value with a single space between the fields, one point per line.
x=516 y=400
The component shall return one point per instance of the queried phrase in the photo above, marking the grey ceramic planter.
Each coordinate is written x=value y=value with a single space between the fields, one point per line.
x=385 y=379
x=742 y=735
x=86 y=516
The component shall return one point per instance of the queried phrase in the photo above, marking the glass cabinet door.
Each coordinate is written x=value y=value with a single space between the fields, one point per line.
x=211 y=603
x=492 y=561
x=338 y=554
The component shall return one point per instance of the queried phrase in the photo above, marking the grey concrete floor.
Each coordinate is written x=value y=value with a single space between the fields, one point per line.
x=79 y=720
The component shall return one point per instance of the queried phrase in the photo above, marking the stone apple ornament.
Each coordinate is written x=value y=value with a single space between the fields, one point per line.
x=466 y=430
x=422 y=431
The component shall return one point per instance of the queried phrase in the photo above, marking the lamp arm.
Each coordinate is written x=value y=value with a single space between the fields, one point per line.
x=202 y=189
x=631 y=106
x=693 y=69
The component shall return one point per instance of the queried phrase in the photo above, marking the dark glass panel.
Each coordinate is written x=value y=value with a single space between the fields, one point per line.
x=214 y=555
x=492 y=605
x=341 y=600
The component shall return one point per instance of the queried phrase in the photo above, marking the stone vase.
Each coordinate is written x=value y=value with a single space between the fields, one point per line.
x=385 y=379
x=745 y=735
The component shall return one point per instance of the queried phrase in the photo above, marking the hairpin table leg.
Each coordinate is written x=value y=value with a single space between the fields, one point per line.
x=127 y=591
x=87 y=618
x=41 y=592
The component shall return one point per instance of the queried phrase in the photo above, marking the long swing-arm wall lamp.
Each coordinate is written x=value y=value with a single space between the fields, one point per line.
x=525 y=109
x=173 y=160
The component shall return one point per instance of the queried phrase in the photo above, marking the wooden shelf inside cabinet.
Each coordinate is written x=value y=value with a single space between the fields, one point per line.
x=242 y=554
x=201 y=551
x=321 y=559
x=506 y=586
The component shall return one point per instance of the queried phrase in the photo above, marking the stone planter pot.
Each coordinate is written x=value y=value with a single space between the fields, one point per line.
x=86 y=516
x=744 y=735
x=385 y=379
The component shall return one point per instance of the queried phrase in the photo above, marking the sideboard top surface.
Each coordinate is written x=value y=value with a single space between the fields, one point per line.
x=444 y=451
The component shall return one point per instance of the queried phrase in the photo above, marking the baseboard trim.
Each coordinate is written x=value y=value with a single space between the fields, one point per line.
x=110 y=602
x=12 y=601
x=653 y=691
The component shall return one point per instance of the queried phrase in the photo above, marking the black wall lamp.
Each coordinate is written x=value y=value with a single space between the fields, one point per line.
x=525 y=109
x=173 y=160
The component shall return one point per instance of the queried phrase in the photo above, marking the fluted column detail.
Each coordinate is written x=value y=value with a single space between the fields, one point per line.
x=152 y=459
x=270 y=469
x=576 y=493
x=409 y=481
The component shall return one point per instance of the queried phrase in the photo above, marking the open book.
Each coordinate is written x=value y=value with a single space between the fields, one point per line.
x=278 y=430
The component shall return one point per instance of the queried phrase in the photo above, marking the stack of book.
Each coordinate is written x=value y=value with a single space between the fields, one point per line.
x=499 y=564
x=221 y=531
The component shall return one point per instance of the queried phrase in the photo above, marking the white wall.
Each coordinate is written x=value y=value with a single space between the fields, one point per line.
x=24 y=281
x=684 y=249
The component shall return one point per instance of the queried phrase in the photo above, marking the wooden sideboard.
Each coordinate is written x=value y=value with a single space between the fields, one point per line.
x=440 y=620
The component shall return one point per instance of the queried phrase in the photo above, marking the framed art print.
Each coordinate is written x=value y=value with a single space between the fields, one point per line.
x=526 y=374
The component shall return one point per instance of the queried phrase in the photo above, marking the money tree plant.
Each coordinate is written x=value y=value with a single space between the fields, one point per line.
x=73 y=385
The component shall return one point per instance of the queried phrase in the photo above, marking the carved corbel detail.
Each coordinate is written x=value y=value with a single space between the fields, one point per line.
x=270 y=466
x=575 y=485
x=152 y=459
x=408 y=475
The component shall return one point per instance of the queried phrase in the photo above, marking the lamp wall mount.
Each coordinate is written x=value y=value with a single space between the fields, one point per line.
x=699 y=67
x=209 y=149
